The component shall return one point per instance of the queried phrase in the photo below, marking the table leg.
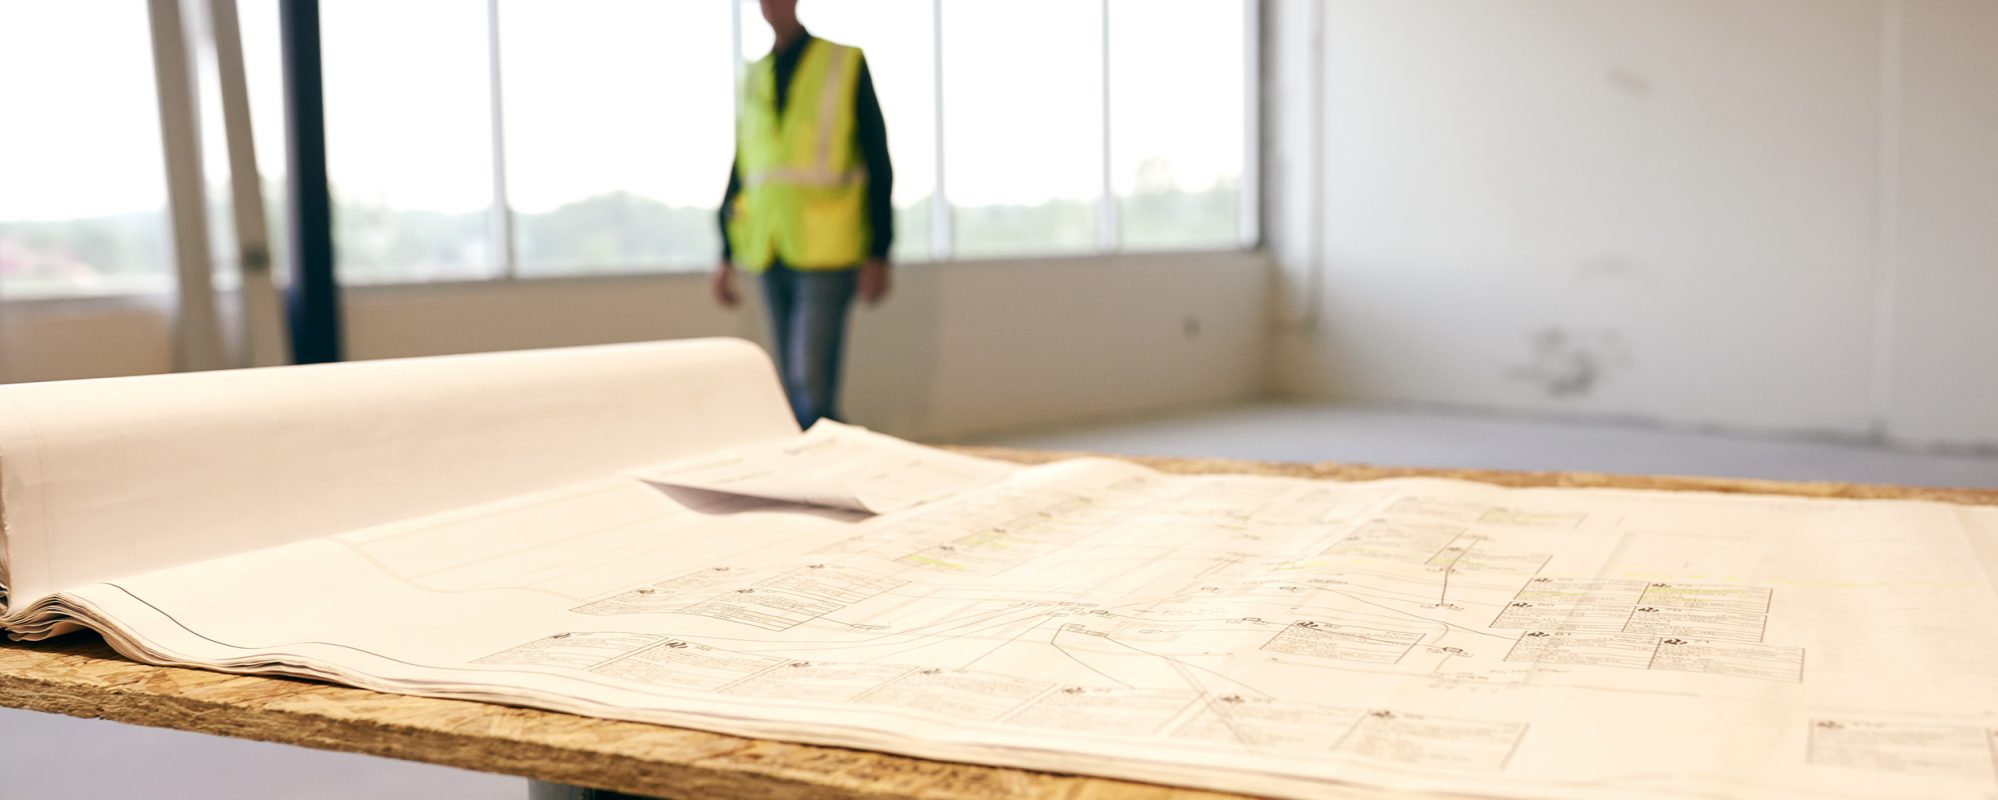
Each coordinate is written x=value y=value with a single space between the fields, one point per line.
x=543 y=790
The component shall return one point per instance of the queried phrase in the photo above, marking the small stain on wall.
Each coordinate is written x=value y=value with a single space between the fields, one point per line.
x=1564 y=364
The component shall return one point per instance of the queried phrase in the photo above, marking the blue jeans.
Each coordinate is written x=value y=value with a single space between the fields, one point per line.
x=808 y=310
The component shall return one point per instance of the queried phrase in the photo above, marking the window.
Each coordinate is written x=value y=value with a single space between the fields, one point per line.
x=618 y=134
x=1023 y=125
x=1176 y=121
x=480 y=139
x=82 y=186
x=409 y=139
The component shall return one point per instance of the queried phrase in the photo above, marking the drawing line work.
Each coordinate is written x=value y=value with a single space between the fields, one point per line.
x=1276 y=636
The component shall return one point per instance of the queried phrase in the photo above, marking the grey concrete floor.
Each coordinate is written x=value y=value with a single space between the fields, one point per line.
x=45 y=756
x=1297 y=432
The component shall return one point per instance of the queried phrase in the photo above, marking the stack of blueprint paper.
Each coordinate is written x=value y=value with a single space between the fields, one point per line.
x=639 y=532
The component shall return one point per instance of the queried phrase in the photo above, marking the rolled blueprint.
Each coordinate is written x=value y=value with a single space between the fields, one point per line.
x=117 y=476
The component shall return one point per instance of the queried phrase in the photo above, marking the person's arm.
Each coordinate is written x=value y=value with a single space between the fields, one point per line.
x=723 y=283
x=728 y=209
x=872 y=132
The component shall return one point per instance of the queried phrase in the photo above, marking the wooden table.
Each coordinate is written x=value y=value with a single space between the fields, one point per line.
x=80 y=676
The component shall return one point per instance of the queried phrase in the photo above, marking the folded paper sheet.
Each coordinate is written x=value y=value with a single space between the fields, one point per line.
x=836 y=466
x=1267 y=635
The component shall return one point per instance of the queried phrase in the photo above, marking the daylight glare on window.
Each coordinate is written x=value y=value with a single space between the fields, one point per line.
x=82 y=186
x=475 y=140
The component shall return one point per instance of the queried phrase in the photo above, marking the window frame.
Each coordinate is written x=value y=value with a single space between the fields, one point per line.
x=1109 y=235
x=942 y=233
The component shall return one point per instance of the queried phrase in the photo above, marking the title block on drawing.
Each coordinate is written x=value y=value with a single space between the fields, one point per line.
x=1590 y=649
x=1544 y=616
x=1695 y=623
x=1745 y=599
x=1342 y=642
x=1741 y=659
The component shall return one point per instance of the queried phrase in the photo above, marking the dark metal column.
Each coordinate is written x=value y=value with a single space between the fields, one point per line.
x=314 y=296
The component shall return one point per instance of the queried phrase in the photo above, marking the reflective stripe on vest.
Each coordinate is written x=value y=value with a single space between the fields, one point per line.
x=803 y=190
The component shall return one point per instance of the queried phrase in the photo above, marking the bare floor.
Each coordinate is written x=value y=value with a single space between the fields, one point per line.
x=1295 y=432
x=45 y=756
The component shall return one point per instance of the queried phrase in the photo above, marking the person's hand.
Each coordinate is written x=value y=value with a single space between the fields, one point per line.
x=722 y=285
x=873 y=280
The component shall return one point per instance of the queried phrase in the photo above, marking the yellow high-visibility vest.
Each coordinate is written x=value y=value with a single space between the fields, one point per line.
x=804 y=188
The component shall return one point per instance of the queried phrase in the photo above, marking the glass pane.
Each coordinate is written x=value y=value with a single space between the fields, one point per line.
x=1023 y=130
x=1176 y=121
x=409 y=139
x=899 y=39
x=619 y=130
x=82 y=180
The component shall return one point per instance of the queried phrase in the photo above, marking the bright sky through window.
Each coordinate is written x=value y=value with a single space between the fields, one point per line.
x=79 y=130
x=619 y=123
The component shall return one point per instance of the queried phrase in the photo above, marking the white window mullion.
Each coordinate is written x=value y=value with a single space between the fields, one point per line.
x=735 y=48
x=502 y=211
x=1249 y=222
x=941 y=246
x=1106 y=213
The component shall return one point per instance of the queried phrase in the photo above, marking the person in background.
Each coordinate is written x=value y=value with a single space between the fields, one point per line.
x=808 y=209
x=807 y=212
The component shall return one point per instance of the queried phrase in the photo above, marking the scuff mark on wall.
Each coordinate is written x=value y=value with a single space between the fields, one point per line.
x=1629 y=82
x=1566 y=365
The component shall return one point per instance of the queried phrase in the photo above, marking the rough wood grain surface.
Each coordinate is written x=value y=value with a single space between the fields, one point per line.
x=1329 y=470
x=80 y=676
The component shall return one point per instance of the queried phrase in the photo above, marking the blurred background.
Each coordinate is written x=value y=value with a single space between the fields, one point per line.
x=1752 y=238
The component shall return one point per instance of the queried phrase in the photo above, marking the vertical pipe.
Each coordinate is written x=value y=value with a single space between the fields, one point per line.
x=314 y=297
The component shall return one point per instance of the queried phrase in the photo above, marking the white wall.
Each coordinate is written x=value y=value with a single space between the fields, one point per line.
x=960 y=349
x=1674 y=210
x=49 y=340
x=1944 y=360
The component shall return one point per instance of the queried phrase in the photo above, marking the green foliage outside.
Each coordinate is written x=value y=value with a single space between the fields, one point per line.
x=610 y=233
x=125 y=252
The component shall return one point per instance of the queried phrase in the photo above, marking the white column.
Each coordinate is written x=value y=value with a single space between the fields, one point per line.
x=197 y=335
